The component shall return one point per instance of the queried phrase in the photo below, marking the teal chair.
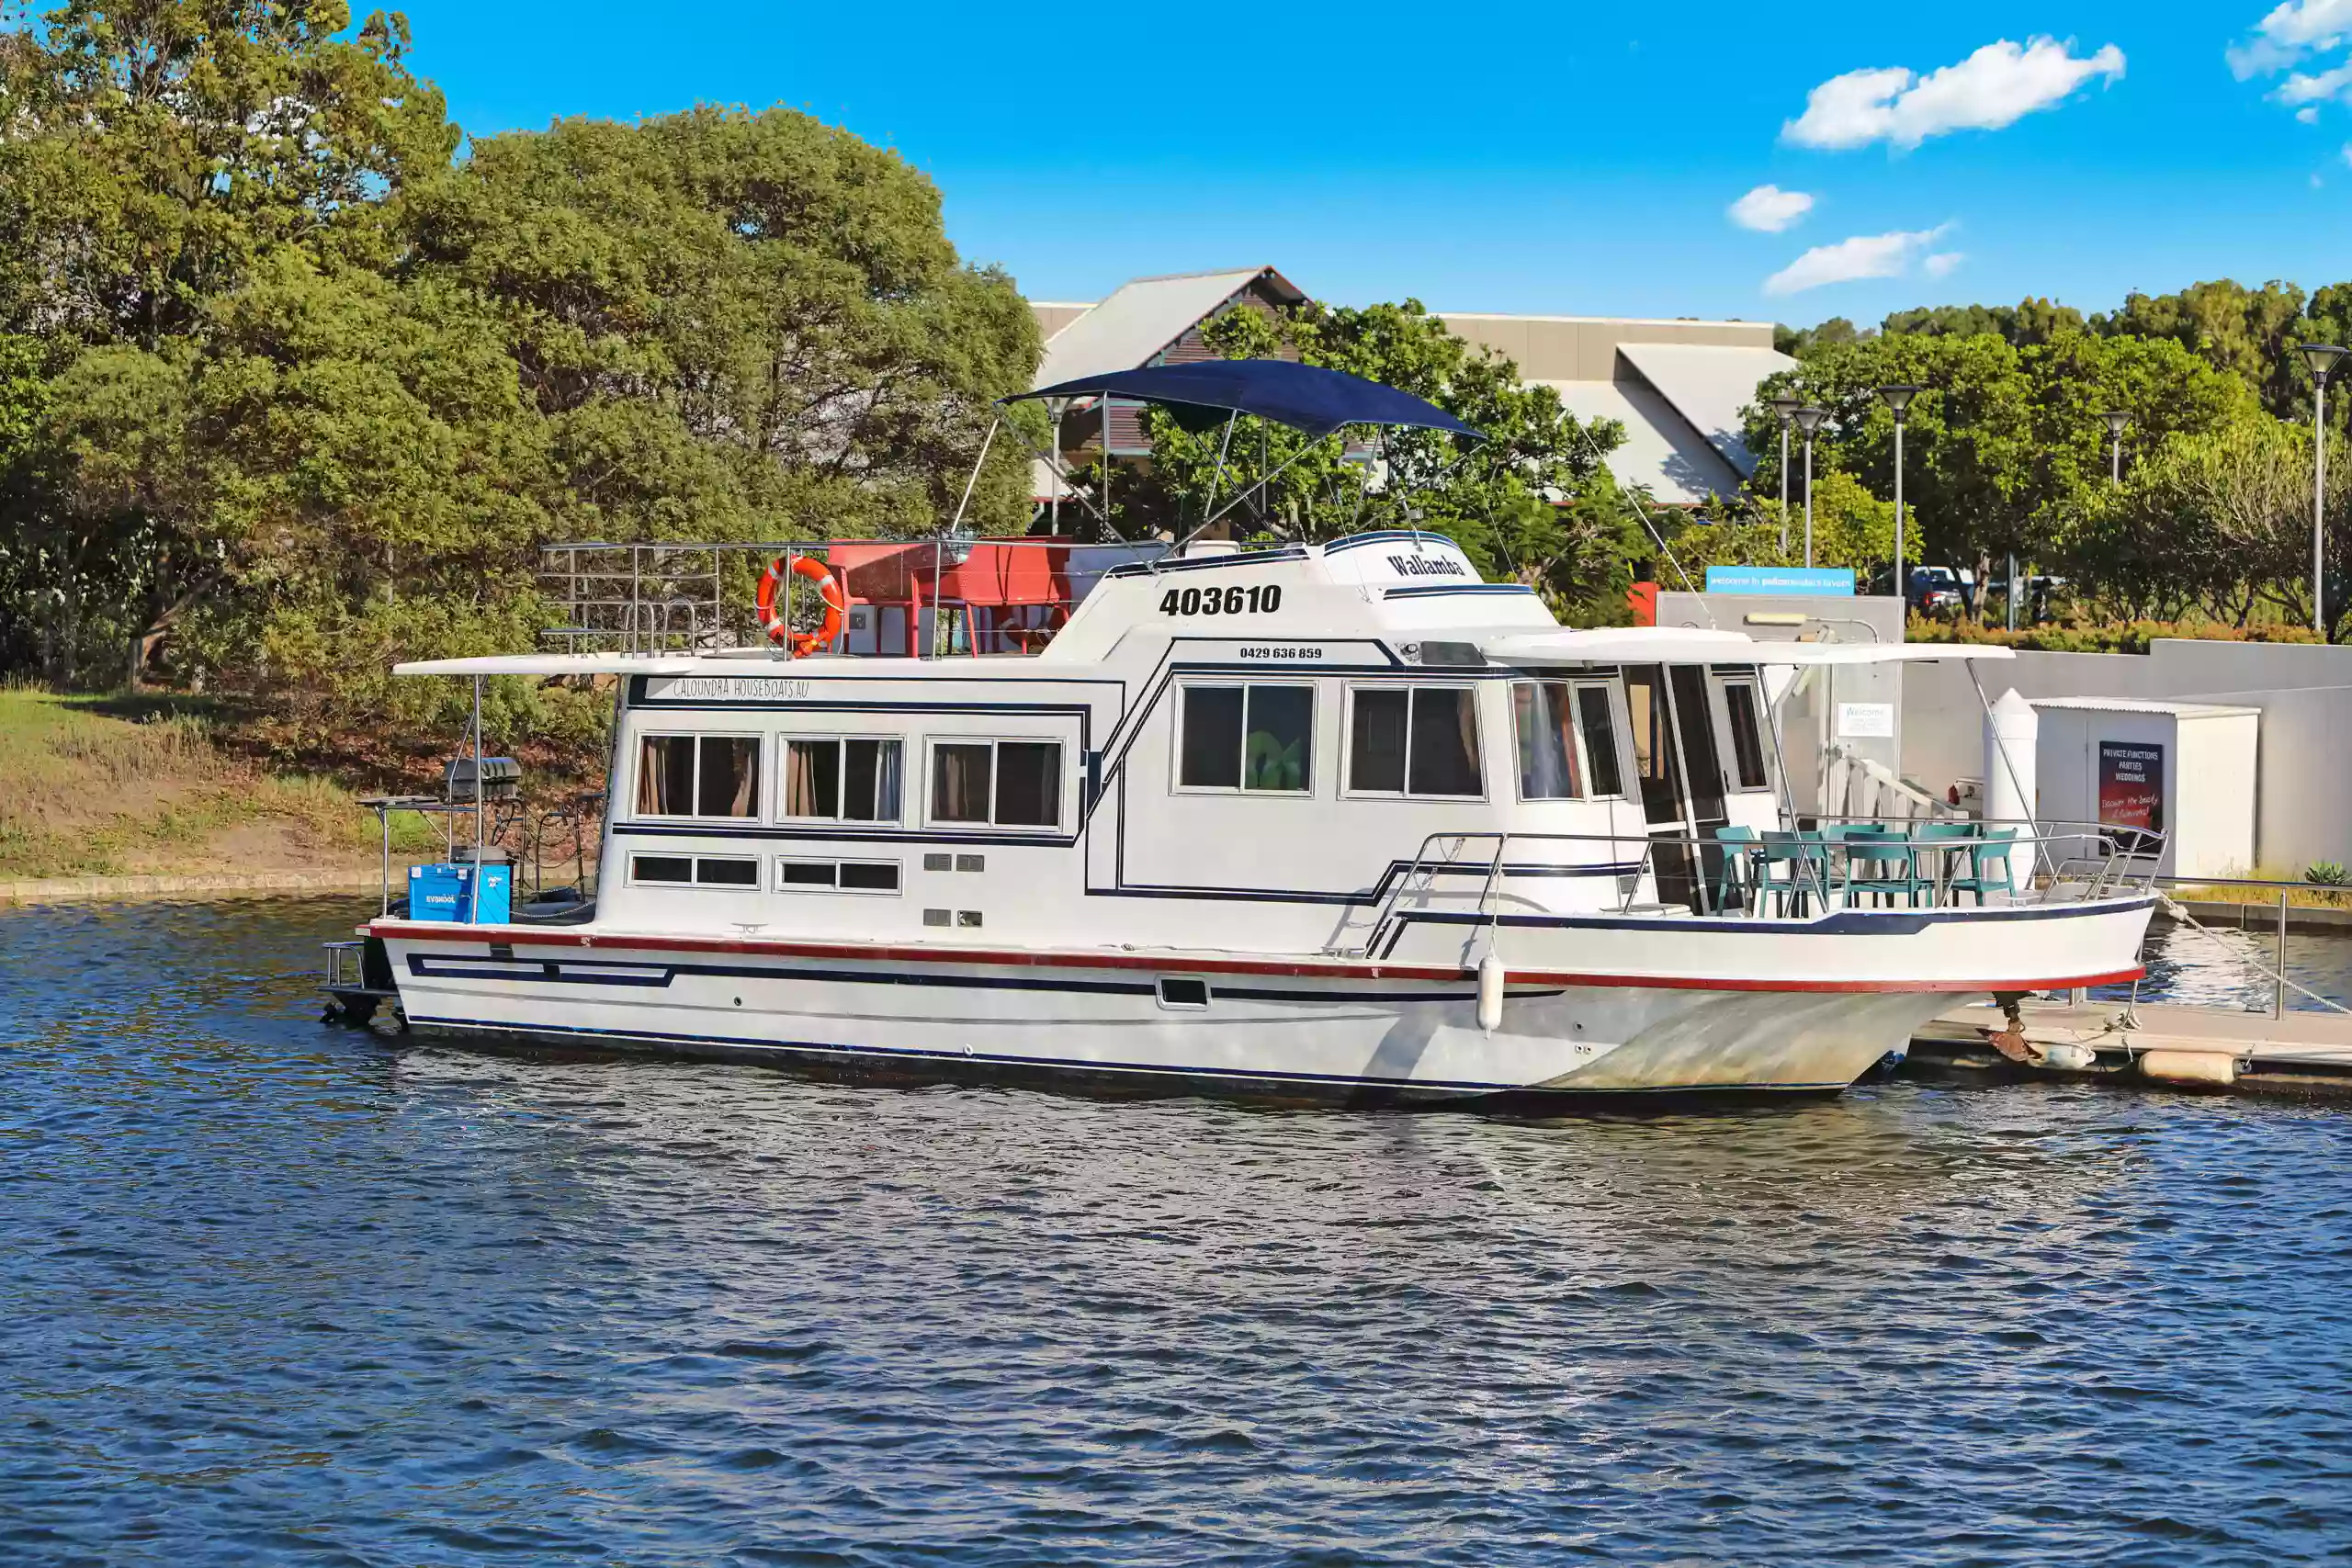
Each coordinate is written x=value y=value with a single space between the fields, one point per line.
x=1792 y=868
x=1732 y=883
x=1937 y=847
x=1879 y=866
x=1987 y=850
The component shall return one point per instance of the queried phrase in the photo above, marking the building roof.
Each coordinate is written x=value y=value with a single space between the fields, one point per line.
x=1708 y=385
x=1662 y=452
x=2140 y=705
x=1141 y=318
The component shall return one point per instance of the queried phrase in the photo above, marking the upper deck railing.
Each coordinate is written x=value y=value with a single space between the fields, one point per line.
x=917 y=597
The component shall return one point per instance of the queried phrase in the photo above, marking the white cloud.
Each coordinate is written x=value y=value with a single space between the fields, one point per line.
x=1997 y=86
x=1864 y=255
x=2308 y=116
x=1768 y=209
x=2292 y=29
x=2347 y=154
x=1941 y=263
x=2301 y=89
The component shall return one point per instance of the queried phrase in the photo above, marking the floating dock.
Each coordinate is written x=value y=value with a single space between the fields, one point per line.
x=2150 y=1044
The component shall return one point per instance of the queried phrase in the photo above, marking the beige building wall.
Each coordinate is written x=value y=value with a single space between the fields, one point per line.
x=1584 y=348
x=1053 y=316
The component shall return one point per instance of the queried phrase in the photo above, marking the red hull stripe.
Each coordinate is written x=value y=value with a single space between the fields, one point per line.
x=1185 y=964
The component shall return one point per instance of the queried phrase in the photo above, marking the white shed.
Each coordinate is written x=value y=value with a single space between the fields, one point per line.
x=2185 y=769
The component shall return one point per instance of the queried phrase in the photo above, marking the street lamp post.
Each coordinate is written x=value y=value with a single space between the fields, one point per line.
x=1808 y=420
x=2322 y=357
x=1785 y=408
x=2116 y=420
x=1898 y=397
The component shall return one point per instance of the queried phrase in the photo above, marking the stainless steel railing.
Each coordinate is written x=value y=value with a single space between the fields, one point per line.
x=2087 y=861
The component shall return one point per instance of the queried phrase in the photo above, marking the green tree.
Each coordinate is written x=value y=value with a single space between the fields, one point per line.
x=2004 y=446
x=2249 y=333
x=736 y=324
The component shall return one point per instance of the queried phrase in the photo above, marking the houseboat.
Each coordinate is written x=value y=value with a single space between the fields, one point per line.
x=1334 y=820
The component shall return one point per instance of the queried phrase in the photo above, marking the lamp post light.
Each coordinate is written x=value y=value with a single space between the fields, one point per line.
x=2116 y=420
x=1808 y=420
x=2321 y=358
x=1785 y=407
x=1898 y=397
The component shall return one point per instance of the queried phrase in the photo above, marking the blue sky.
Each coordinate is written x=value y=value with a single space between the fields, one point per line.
x=1566 y=159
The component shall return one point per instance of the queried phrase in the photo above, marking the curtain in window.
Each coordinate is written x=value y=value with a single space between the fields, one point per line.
x=665 y=775
x=960 y=780
x=729 y=781
x=1547 y=752
x=801 y=795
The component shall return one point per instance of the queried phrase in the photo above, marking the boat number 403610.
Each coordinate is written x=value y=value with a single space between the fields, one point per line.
x=1260 y=599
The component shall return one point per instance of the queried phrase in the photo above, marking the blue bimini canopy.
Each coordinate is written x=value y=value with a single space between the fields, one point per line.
x=1304 y=396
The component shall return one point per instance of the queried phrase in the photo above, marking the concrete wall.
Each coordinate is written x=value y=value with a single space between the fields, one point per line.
x=2303 y=769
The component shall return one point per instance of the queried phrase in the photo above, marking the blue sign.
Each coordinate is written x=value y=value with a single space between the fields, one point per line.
x=1795 y=580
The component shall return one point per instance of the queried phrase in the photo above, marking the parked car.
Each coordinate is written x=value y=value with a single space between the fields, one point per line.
x=1940 y=590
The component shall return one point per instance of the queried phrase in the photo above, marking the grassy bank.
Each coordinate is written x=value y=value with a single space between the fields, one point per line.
x=99 y=787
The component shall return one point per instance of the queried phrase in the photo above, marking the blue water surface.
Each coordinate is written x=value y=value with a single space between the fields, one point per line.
x=275 y=1293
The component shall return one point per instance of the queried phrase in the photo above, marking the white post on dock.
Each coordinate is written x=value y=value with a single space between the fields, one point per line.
x=2279 y=970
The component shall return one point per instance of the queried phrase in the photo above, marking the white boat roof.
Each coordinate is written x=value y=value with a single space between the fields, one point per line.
x=1689 y=644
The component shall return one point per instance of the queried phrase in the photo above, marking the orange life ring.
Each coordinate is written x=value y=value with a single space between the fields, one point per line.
x=828 y=589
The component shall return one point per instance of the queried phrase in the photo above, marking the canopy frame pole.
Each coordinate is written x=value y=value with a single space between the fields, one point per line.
x=1056 y=407
x=1061 y=469
x=1178 y=546
x=1223 y=445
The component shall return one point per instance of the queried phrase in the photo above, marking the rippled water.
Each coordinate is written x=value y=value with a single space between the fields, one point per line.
x=273 y=1292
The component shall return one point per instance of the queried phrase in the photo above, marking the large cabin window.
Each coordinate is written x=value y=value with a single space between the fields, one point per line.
x=841 y=781
x=698 y=776
x=1414 y=740
x=1002 y=783
x=1260 y=738
x=1567 y=741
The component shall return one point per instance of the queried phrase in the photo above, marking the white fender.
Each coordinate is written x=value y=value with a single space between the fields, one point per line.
x=1490 y=991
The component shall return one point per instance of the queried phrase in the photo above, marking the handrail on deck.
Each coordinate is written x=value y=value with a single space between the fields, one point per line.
x=2126 y=864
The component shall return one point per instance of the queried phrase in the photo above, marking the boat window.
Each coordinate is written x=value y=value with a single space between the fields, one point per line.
x=793 y=876
x=1376 y=741
x=846 y=781
x=1414 y=740
x=1028 y=783
x=1009 y=784
x=1696 y=728
x=692 y=870
x=1746 y=735
x=1250 y=738
x=698 y=776
x=1542 y=721
x=1599 y=726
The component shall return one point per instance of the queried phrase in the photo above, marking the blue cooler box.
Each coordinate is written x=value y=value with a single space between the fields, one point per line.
x=450 y=894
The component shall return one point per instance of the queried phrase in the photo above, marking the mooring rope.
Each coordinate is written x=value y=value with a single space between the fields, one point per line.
x=2179 y=913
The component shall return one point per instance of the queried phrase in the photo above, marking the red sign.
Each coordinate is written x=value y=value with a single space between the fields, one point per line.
x=2131 y=784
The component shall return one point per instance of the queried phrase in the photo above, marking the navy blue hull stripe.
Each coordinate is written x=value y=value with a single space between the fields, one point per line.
x=1062 y=1064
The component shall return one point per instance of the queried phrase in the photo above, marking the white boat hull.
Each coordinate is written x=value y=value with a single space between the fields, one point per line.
x=1363 y=1031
